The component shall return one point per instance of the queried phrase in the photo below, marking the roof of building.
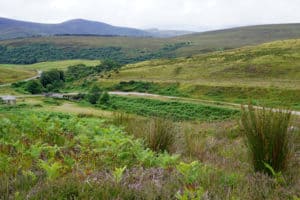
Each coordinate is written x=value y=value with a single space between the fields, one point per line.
x=8 y=98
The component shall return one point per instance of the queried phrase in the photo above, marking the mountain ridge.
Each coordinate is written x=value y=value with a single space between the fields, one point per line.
x=11 y=29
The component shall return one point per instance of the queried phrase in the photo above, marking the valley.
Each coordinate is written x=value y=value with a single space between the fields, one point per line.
x=121 y=117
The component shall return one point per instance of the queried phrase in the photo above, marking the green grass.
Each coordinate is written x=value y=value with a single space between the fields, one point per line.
x=170 y=109
x=273 y=63
x=10 y=75
x=51 y=64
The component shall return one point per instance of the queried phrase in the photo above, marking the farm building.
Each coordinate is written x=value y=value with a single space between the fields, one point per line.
x=10 y=100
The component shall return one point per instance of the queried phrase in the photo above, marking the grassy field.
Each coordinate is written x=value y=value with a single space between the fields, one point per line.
x=51 y=64
x=9 y=74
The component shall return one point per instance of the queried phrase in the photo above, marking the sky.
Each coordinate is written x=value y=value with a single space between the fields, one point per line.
x=195 y=15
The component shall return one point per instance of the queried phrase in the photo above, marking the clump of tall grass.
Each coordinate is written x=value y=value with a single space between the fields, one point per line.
x=268 y=137
x=161 y=135
x=194 y=144
x=120 y=119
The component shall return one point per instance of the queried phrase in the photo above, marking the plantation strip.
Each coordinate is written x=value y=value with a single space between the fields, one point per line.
x=170 y=109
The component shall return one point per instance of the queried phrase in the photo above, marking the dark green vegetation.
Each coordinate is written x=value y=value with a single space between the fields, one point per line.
x=169 y=109
x=33 y=86
x=40 y=52
x=268 y=138
x=80 y=71
x=53 y=79
x=171 y=89
x=94 y=95
x=50 y=81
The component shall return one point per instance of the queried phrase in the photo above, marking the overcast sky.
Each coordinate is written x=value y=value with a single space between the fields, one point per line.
x=194 y=15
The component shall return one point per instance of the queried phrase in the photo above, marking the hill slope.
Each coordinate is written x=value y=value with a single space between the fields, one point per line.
x=238 y=37
x=129 y=49
x=276 y=61
x=13 y=29
x=268 y=74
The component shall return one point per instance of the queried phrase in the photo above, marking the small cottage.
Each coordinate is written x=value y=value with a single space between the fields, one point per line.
x=10 y=100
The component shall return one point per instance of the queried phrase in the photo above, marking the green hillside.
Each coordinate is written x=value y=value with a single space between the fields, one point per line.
x=270 y=62
x=129 y=50
x=237 y=37
x=268 y=71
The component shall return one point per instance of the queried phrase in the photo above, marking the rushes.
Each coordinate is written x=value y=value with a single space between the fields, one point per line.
x=158 y=133
x=268 y=137
x=161 y=135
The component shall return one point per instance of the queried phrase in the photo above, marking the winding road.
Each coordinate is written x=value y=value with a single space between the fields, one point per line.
x=141 y=94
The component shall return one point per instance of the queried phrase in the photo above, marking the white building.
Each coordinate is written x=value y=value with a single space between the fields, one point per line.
x=10 y=100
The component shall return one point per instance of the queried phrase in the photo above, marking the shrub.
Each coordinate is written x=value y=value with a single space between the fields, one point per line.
x=161 y=135
x=107 y=65
x=268 y=137
x=78 y=71
x=53 y=77
x=34 y=87
x=94 y=94
x=104 y=99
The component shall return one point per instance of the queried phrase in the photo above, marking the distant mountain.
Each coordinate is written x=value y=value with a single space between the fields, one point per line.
x=10 y=29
